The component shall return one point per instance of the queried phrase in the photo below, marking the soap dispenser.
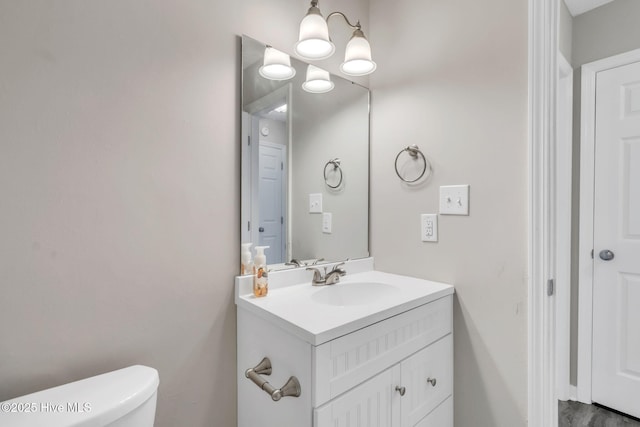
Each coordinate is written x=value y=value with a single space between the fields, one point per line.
x=246 y=265
x=260 y=284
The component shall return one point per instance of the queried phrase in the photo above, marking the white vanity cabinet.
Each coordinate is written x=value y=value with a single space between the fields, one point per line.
x=367 y=365
x=397 y=372
x=378 y=402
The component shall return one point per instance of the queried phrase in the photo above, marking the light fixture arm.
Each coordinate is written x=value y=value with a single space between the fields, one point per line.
x=356 y=27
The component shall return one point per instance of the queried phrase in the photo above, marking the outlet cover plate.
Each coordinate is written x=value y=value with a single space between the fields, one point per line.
x=429 y=227
x=326 y=223
x=454 y=200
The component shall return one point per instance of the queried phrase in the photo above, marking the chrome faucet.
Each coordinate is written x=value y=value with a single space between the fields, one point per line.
x=330 y=278
x=334 y=275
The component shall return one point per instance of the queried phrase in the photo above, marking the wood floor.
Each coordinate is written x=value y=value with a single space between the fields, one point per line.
x=575 y=414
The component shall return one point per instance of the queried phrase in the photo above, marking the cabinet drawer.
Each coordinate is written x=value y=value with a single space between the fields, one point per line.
x=345 y=362
x=428 y=379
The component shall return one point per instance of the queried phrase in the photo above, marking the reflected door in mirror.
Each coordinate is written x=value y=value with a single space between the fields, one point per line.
x=271 y=188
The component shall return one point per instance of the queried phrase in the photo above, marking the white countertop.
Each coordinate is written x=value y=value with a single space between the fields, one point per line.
x=294 y=308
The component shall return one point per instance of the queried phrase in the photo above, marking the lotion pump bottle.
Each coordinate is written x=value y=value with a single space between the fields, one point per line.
x=246 y=265
x=260 y=283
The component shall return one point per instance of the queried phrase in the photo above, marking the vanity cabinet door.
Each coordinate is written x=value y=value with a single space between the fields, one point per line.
x=442 y=416
x=374 y=403
x=428 y=379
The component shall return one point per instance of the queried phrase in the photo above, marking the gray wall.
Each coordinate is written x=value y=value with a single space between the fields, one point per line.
x=119 y=176
x=452 y=77
x=277 y=131
x=565 y=35
x=606 y=31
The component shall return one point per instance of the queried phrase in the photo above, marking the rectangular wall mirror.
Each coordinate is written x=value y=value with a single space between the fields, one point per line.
x=305 y=165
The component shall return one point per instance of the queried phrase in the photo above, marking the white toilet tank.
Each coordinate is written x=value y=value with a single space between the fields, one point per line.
x=122 y=398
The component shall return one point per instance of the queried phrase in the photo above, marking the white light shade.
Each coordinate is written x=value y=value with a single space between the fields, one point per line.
x=357 y=57
x=313 y=42
x=318 y=80
x=277 y=65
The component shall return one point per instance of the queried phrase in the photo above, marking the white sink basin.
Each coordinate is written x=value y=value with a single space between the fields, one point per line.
x=319 y=314
x=354 y=293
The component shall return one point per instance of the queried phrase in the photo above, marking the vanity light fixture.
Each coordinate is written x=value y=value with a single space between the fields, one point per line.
x=276 y=65
x=357 y=56
x=314 y=43
x=318 y=80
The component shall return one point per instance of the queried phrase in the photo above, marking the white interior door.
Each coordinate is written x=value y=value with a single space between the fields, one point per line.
x=616 y=286
x=272 y=200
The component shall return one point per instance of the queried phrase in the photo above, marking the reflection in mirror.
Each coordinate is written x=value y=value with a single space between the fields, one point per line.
x=305 y=163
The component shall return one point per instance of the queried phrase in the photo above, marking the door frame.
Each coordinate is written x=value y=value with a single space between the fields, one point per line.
x=563 y=215
x=587 y=170
x=543 y=81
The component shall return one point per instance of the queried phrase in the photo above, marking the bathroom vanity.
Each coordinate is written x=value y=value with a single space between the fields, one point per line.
x=375 y=349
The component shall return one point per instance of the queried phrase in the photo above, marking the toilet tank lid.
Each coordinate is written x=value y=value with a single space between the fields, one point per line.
x=92 y=401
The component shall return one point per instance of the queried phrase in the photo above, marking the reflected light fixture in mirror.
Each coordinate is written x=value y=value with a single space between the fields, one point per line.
x=276 y=65
x=318 y=80
x=314 y=43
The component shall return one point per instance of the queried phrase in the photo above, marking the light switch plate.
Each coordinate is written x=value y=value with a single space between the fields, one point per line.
x=454 y=200
x=315 y=203
x=326 y=223
x=429 y=227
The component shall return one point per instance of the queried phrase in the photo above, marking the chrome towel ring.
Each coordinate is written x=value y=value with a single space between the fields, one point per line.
x=414 y=151
x=336 y=167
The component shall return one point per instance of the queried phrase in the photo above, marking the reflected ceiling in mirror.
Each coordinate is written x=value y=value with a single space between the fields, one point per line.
x=305 y=163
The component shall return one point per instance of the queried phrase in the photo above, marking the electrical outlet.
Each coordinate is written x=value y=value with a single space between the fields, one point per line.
x=429 y=227
x=315 y=203
x=326 y=223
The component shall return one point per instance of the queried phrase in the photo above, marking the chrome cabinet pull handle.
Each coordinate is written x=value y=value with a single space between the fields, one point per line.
x=401 y=390
x=432 y=381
